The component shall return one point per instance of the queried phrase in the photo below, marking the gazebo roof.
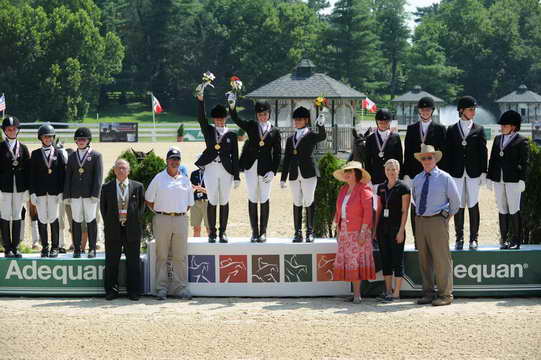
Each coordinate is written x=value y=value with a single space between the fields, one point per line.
x=522 y=95
x=415 y=95
x=303 y=83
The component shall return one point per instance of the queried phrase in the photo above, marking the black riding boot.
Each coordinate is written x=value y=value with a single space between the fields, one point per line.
x=211 y=214
x=77 y=235
x=297 y=223
x=263 y=221
x=504 y=231
x=459 y=229
x=252 y=213
x=224 y=216
x=515 y=231
x=44 y=238
x=55 y=234
x=6 y=237
x=474 y=226
x=15 y=237
x=310 y=214
x=92 y=238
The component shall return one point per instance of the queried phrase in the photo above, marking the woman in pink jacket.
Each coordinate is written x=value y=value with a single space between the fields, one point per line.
x=354 y=261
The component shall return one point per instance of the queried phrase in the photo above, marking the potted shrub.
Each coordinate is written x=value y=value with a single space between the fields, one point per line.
x=241 y=135
x=180 y=133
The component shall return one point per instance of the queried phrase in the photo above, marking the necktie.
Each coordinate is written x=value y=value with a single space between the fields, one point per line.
x=424 y=195
x=123 y=188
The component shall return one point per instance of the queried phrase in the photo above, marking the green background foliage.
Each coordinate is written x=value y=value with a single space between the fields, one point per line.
x=531 y=199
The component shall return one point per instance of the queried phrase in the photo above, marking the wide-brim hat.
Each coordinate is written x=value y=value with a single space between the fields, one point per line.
x=428 y=149
x=339 y=174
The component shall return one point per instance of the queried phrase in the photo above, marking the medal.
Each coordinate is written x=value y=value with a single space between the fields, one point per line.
x=380 y=154
x=48 y=160
x=261 y=143
x=464 y=143
x=217 y=147
x=263 y=134
x=14 y=154
x=295 y=152
x=381 y=144
x=15 y=163
x=501 y=153
x=50 y=171
x=462 y=134
x=82 y=162
x=81 y=171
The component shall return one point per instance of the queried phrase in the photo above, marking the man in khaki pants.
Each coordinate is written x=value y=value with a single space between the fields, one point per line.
x=436 y=200
x=170 y=196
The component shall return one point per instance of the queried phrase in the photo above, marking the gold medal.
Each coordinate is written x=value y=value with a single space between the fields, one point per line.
x=217 y=147
x=50 y=171
x=261 y=143
x=295 y=152
x=81 y=170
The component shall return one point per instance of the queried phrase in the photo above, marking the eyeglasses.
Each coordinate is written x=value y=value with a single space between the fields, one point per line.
x=425 y=158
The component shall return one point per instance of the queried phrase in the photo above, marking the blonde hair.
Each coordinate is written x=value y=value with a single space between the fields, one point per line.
x=392 y=162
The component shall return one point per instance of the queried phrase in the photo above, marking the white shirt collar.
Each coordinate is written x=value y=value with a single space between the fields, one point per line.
x=385 y=133
x=426 y=124
x=11 y=142
x=265 y=126
x=125 y=182
x=301 y=132
x=221 y=130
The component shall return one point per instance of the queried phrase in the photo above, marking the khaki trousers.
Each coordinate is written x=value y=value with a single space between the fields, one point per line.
x=171 y=233
x=432 y=235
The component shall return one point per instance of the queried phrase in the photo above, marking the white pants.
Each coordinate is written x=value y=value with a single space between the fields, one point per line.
x=11 y=205
x=303 y=190
x=507 y=197
x=83 y=209
x=61 y=222
x=468 y=189
x=258 y=190
x=218 y=183
x=47 y=207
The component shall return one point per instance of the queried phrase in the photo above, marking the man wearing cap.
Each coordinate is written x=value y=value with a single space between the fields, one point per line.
x=425 y=131
x=467 y=163
x=14 y=182
x=436 y=198
x=221 y=161
x=507 y=175
x=170 y=196
x=259 y=160
x=382 y=145
x=122 y=205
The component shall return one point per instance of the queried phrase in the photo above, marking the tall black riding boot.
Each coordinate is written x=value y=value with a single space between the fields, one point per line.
x=224 y=216
x=44 y=238
x=15 y=237
x=6 y=237
x=252 y=213
x=504 y=231
x=515 y=231
x=474 y=226
x=77 y=235
x=310 y=215
x=459 y=229
x=297 y=223
x=211 y=214
x=92 y=238
x=55 y=236
x=263 y=221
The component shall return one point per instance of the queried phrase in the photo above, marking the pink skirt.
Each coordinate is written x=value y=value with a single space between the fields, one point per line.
x=353 y=262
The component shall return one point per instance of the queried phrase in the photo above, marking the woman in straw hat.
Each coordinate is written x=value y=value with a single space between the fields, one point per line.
x=354 y=261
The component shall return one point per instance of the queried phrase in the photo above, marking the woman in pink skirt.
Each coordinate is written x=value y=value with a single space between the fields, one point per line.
x=354 y=261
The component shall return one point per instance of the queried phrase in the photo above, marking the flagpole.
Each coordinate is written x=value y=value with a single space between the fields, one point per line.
x=153 y=117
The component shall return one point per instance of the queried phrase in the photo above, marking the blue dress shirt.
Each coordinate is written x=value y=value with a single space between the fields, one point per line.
x=442 y=193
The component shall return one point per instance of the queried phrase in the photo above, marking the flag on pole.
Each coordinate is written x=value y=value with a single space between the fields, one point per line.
x=2 y=103
x=156 y=107
x=369 y=105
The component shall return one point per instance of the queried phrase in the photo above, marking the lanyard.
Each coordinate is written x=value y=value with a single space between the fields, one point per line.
x=388 y=194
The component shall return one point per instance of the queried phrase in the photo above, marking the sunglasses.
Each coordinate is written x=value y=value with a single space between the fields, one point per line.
x=424 y=158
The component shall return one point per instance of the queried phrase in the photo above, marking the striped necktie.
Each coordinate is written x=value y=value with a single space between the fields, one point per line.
x=424 y=195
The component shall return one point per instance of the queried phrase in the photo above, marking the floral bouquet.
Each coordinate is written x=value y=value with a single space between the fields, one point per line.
x=236 y=87
x=322 y=105
x=207 y=80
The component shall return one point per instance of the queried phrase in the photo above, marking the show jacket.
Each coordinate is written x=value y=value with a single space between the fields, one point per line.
x=375 y=164
x=43 y=183
x=358 y=208
x=268 y=156
x=514 y=162
x=229 y=148
x=473 y=157
x=87 y=184
x=7 y=170
x=304 y=159
x=435 y=136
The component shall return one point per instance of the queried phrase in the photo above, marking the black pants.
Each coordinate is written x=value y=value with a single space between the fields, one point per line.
x=113 y=251
x=392 y=253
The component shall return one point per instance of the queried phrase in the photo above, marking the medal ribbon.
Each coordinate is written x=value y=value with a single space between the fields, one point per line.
x=380 y=142
x=48 y=160
x=218 y=136
x=296 y=142
x=82 y=162
x=14 y=155
x=263 y=134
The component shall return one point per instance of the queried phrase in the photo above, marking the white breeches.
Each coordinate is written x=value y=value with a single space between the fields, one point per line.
x=258 y=190
x=47 y=207
x=468 y=189
x=507 y=197
x=11 y=205
x=83 y=209
x=218 y=183
x=303 y=190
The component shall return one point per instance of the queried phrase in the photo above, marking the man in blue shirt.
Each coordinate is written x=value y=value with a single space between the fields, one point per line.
x=436 y=199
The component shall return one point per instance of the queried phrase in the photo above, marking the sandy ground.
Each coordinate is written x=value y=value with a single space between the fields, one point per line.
x=313 y=328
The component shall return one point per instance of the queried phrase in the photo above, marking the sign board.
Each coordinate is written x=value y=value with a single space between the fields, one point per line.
x=119 y=132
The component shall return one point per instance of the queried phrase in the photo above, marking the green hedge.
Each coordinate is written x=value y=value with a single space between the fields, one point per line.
x=531 y=199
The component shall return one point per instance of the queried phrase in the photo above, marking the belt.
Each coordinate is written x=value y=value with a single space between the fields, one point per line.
x=431 y=216
x=170 y=213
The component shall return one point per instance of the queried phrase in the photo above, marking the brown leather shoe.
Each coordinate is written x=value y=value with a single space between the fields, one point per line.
x=442 y=301
x=425 y=300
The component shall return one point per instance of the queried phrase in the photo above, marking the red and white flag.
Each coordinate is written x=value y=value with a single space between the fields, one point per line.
x=156 y=107
x=369 y=105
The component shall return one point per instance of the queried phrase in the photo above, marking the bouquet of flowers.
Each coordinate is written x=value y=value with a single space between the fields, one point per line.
x=207 y=80
x=321 y=103
x=236 y=87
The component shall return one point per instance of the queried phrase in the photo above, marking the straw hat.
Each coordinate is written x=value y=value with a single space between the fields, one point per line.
x=339 y=174
x=428 y=149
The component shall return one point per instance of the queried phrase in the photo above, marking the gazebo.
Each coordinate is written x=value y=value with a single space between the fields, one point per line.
x=406 y=105
x=523 y=101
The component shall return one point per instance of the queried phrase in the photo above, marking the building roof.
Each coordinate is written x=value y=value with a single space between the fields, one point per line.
x=414 y=95
x=303 y=83
x=522 y=95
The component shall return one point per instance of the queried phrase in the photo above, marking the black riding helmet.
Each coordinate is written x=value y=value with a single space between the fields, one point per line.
x=46 y=130
x=83 y=133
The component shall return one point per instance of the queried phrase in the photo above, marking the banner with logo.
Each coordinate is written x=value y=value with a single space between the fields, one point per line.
x=119 y=132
